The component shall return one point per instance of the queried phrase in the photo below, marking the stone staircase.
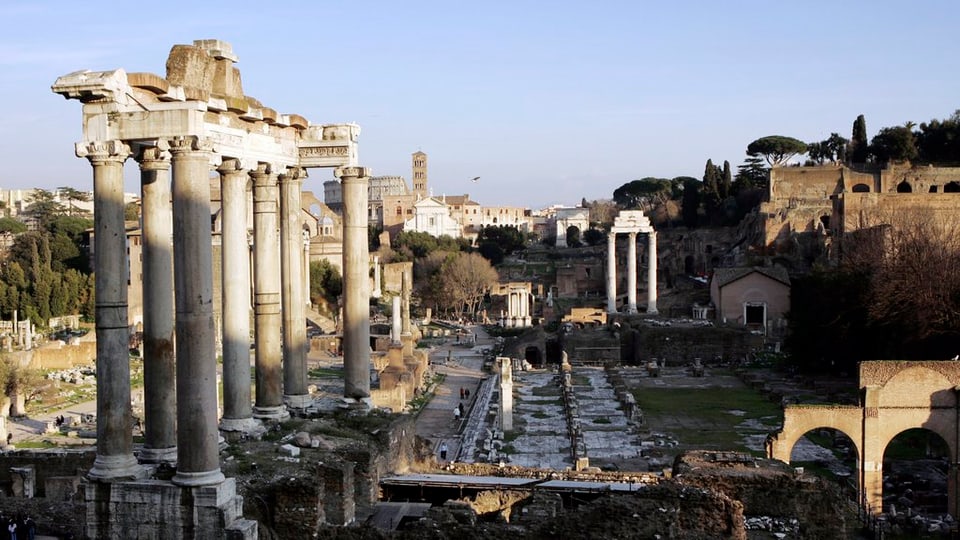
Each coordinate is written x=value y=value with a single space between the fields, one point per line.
x=324 y=323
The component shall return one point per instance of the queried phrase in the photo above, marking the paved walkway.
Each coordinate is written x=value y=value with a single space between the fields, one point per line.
x=463 y=370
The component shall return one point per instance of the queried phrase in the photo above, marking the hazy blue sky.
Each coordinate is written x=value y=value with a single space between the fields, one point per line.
x=547 y=101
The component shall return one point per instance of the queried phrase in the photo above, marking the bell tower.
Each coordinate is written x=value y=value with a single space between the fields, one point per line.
x=419 y=160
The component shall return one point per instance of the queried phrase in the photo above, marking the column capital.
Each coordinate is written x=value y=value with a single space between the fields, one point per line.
x=190 y=143
x=101 y=151
x=354 y=172
x=293 y=174
x=153 y=158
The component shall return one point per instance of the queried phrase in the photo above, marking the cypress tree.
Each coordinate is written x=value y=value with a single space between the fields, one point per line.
x=858 y=141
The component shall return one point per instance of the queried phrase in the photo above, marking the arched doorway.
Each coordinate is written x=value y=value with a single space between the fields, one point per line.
x=829 y=453
x=952 y=187
x=916 y=464
x=904 y=187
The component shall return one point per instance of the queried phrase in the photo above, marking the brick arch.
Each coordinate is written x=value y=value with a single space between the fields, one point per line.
x=894 y=396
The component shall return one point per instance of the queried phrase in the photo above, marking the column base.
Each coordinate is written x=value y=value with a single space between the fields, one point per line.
x=364 y=403
x=158 y=455
x=652 y=310
x=246 y=425
x=298 y=401
x=632 y=310
x=271 y=413
x=196 y=479
x=116 y=468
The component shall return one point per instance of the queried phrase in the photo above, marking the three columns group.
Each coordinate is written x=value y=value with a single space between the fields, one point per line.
x=632 y=272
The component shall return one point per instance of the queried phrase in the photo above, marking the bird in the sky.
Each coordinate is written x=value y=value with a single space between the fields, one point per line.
x=475 y=178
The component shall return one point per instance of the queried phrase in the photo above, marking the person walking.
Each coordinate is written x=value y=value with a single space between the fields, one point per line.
x=456 y=413
x=443 y=451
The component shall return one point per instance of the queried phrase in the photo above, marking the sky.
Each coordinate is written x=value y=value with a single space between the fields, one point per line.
x=548 y=102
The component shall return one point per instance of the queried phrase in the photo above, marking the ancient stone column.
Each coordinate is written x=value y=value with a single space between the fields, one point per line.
x=506 y=393
x=652 y=273
x=376 y=277
x=235 y=263
x=406 y=331
x=266 y=304
x=295 y=393
x=159 y=360
x=198 y=460
x=356 y=283
x=305 y=261
x=611 y=272
x=114 y=460
x=396 y=329
x=632 y=272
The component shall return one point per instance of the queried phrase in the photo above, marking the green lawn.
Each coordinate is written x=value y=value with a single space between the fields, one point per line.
x=702 y=418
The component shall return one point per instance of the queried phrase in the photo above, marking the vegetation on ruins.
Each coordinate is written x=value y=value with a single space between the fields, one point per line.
x=894 y=296
x=326 y=285
x=496 y=243
x=45 y=274
x=858 y=150
x=454 y=283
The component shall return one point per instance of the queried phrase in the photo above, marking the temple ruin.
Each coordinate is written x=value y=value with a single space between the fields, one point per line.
x=180 y=128
x=631 y=222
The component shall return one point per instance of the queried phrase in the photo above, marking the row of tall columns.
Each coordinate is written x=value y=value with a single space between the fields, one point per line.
x=180 y=373
x=632 y=272
x=356 y=283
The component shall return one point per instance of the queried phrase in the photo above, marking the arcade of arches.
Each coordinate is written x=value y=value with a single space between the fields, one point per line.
x=895 y=396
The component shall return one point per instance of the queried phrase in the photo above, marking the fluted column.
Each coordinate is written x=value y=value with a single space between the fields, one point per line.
x=235 y=264
x=266 y=303
x=611 y=272
x=114 y=459
x=632 y=272
x=198 y=457
x=295 y=393
x=652 y=273
x=159 y=360
x=356 y=294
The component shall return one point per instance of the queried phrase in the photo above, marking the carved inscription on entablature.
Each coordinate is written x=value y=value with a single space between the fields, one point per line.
x=324 y=151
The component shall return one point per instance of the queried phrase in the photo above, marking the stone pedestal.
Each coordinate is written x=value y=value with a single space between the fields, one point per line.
x=506 y=393
x=155 y=509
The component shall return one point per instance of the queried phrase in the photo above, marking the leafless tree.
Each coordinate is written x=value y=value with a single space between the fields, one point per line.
x=910 y=258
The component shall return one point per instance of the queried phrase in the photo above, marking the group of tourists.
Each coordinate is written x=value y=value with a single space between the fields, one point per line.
x=17 y=527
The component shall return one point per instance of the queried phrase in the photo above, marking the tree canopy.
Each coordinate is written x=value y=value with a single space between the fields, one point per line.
x=776 y=149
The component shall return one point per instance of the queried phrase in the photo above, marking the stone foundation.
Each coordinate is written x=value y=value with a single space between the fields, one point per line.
x=155 y=509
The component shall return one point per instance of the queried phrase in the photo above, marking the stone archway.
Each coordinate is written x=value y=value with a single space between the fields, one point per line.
x=915 y=471
x=895 y=396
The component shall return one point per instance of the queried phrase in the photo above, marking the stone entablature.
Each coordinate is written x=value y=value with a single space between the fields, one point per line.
x=202 y=97
x=895 y=396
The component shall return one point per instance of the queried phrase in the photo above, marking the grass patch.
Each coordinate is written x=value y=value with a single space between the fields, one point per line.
x=541 y=415
x=322 y=372
x=601 y=420
x=701 y=418
x=580 y=380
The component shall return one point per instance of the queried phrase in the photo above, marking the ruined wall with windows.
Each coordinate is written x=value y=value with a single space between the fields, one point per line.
x=827 y=201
